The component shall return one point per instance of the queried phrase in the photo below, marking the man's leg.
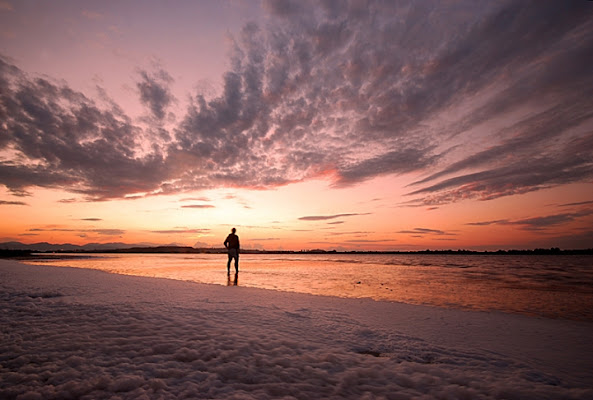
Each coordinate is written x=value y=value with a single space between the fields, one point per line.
x=237 y=263
x=228 y=264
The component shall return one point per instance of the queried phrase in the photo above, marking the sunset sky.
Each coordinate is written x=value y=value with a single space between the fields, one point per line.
x=348 y=125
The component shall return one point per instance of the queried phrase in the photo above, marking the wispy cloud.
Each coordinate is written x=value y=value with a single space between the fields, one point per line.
x=181 y=231
x=420 y=232
x=326 y=217
x=198 y=206
x=580 y=203
x=486 y=223
x=105 y=232
x=12 y=203
x=539 y=223
x=155 y=93
x=204 y=199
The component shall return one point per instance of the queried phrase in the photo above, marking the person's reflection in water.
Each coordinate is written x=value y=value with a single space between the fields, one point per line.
x=232 y=282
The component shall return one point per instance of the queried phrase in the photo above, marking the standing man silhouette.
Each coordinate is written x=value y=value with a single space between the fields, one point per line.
x=232 y=245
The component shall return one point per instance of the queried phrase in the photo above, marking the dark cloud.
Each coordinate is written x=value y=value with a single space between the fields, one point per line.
x=91 y=219
x=541 y=222
x=198 y=206
x=406 y=160
x=547 y=54
x=486 y=223
x=53 y=230
x=534 y=132
x=550 y=220
x=12 y=203
x=479 y=99
x=419 y=232
x=326 y=217
x=155 y=93
x=61 y=139
x=581 y=203
x=521 y=164
x=107 y=232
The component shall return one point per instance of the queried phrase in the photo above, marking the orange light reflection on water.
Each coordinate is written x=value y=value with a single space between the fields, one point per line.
x=518 y=285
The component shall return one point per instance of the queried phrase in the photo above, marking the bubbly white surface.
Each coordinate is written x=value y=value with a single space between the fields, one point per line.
x=75 y=333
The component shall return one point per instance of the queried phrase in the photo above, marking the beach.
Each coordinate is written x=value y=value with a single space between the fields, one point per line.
x=88 y=334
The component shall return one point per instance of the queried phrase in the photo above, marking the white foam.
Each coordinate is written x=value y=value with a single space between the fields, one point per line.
x=73 y=333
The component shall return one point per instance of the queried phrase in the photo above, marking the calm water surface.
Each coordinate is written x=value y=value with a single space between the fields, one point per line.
x=549 y=286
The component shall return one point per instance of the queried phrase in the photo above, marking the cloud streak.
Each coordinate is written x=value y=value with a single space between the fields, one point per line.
x=420 y=232
x=541 y=222
x=12 y=203
x=326 y=217
x=181 y=230
x=105 y=232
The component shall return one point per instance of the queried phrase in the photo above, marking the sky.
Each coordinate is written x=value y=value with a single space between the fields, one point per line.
x=347 y=125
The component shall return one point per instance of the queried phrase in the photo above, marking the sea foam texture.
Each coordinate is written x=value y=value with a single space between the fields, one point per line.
x=71 y=333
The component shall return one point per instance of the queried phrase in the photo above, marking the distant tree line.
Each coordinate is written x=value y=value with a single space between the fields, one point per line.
x=11 y=253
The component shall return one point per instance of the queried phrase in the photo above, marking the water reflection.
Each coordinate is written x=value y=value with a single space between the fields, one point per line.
x=232 y=282
x=551 y=286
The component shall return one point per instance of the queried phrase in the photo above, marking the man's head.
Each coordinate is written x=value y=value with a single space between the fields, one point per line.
x=233 y=230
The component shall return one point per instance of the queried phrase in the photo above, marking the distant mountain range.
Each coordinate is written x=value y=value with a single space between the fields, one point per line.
x=44 y=246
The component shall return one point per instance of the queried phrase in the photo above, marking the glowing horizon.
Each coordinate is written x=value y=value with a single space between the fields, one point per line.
x=304 y=125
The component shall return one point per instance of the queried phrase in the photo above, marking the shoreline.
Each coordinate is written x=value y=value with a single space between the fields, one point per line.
x=532 y=299
x=215 y=330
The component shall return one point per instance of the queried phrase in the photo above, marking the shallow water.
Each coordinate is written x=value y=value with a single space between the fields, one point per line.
x=549 y=286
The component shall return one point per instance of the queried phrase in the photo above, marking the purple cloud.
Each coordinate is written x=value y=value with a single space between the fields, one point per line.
x=155 y=93
x=343 y=90
x=539 y=223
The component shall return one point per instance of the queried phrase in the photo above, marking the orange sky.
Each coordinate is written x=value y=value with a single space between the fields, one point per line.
x=384 y=127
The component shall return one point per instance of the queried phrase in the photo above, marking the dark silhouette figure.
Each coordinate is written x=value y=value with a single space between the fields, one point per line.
x=232 y=244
